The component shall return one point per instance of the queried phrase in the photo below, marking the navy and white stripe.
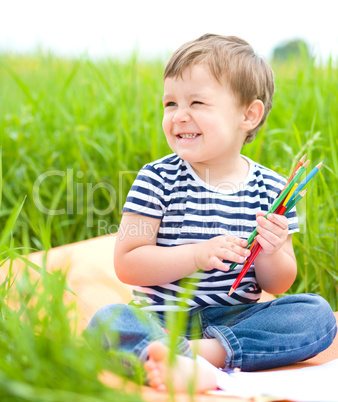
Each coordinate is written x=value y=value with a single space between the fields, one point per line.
x=192 y=211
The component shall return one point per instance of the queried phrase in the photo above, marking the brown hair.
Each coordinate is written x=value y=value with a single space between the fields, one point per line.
x=232 y=60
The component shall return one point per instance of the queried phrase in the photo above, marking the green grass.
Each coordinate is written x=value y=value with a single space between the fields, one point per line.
x=42 y=359
x=88 y=122
x=42 y=356
x=74 y=133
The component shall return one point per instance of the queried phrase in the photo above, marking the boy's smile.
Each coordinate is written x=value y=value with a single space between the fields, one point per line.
x=202 y=119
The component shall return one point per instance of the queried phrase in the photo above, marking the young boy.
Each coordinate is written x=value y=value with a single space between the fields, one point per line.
x=186 y=219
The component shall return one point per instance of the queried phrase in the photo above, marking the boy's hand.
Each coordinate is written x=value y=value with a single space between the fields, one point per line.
x=272 y=232
x=211 y=253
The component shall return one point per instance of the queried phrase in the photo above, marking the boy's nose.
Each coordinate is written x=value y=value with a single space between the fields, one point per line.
x=181 y=115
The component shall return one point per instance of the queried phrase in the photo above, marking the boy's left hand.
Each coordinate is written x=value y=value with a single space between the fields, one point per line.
x=272 y=232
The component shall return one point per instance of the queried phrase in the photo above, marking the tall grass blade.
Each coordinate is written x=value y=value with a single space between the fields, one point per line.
x=6 y=233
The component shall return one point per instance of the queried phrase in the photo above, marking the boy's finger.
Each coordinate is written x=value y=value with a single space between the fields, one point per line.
x=279 y=220
x=266 y=246
x=219 y=264
x=234 y=249
x=268 y=235
x=260 y=213
x=236 y=240
x=235 y=257
x=273 y=223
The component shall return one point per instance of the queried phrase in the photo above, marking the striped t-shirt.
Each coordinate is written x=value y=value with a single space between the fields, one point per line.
x=192 y=211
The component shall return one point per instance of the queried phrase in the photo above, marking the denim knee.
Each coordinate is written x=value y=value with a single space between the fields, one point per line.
x=125 y=327
x=275 y=333
x=311 y=322
x=131 y=330
x=321 y=314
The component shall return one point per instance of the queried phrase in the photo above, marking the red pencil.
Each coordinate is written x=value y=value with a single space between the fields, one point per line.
x=255 y=248
x=281 y=209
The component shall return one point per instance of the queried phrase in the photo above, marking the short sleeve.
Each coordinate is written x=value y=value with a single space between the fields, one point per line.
x=146 y=194
x=275 y=185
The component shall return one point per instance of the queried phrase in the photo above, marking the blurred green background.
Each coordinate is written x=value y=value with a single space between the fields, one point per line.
x=74 y=133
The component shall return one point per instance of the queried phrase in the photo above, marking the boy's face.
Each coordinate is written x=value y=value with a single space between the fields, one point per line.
x=202 y=120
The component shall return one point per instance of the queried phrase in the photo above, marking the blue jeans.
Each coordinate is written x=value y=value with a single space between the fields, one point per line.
x=255 y=336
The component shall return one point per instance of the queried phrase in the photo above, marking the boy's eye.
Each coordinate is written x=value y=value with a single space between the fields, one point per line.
x=169 y=104
x=197 y=103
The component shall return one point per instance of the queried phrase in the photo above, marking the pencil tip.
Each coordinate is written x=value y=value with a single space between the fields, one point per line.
x=302 y=193
x=302 y=159
x=306 y=164
x=320 y=164
x=231 y=291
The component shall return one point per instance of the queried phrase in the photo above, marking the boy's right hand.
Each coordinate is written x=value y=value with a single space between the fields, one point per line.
x=211 y=253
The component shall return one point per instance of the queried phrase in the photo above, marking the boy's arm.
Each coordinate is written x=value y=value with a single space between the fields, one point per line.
x=275 y=265
x=139 y=261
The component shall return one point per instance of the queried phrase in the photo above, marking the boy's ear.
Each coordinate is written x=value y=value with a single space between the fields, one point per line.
x=253 y=115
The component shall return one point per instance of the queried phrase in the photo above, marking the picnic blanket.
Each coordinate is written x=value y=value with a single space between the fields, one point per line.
x=91 y=276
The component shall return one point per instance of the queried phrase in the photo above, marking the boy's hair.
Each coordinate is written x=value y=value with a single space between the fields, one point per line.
x=233 y=61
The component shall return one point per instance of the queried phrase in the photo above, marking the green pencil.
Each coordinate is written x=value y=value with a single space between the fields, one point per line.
x=295 y=201
x=276 y=204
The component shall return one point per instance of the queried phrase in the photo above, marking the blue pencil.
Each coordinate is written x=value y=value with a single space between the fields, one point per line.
x=276 y=203
x=304 y=182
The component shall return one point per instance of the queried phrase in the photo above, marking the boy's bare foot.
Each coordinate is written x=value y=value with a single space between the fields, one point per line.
x=181 y=376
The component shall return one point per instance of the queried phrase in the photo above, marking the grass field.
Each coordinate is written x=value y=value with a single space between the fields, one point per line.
x=74 y=133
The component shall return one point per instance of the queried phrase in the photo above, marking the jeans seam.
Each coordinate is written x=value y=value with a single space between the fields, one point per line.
x=230 y=346
x=205 y=320
x=186 y=351
x=141 y=349
x=233 y=354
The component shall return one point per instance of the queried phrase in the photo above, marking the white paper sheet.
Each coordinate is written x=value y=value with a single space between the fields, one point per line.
x=310 y=384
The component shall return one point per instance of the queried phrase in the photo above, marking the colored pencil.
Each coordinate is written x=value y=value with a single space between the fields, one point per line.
x=245 y=268
x=280 y=210
x=295 y=201
x=284 y=193
x=306 y=180
x=291 y=192
x=277 y=202
x=299 y=164
x=255 y=251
